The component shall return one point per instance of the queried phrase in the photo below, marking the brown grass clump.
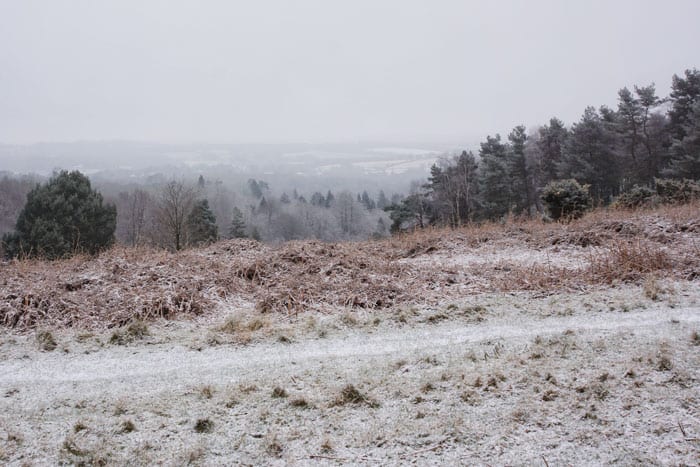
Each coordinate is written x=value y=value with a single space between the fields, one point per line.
x=46 y=340
x=351 y=395
x=127 y=426
x=299 y=402
x=627 y=261
x=136 y=330
x=279 y=392
x=207 y=391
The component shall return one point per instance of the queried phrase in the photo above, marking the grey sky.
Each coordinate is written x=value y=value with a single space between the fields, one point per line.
x=325 y=71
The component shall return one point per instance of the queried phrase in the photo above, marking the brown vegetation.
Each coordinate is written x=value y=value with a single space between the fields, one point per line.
x=125 y=285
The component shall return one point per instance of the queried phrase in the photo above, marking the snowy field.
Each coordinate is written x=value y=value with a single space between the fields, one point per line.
x=609 y=376
x=520 y=344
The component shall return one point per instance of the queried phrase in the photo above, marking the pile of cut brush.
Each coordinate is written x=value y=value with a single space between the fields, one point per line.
x=126 y=284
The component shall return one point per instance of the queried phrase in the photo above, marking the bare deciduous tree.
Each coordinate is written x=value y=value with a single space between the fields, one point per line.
x=175 y=204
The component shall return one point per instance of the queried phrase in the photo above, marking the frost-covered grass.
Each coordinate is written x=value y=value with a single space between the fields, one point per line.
x=522 y=343
x=602 y=376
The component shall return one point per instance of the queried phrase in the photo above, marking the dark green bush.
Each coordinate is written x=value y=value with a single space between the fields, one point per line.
x=62 y=217
x=566 y=199
x=637 y=196
x=672 y=191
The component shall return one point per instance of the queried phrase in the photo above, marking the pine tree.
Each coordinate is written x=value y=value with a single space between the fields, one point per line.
x=382 y=200
x=494 y=177
x=237 y=229
x=367 y=201
x=518 y=174
x=685 y=153
x=589 y=156
x=685 y=92
x=62 y=217
x=255 y=189
x=201 y=224
x=550 y=143
x=317 y=199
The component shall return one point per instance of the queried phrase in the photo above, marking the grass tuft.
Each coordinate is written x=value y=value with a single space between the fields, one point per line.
x=127 y=426
x=203 y=425
x=279 y=392
x=351 y=395
x=46 y=340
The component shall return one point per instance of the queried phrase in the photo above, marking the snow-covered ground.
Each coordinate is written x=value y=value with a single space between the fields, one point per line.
x=605 y=376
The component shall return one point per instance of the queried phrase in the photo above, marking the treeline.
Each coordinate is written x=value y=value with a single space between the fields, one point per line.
x=609 y=151
x=66 y=215
x=159 y=216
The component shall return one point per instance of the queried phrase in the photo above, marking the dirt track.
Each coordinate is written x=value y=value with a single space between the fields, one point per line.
x=605 y=377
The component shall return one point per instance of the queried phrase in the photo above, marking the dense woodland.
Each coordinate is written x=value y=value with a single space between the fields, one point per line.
x=608 y=151
x=611 y=151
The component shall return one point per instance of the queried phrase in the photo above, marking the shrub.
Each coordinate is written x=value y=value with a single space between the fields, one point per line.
x=566 y=199
x=677 y=191
x=62 y=217
x=637 y=196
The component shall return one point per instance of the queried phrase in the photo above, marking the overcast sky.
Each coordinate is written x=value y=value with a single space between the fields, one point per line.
x=325 y=71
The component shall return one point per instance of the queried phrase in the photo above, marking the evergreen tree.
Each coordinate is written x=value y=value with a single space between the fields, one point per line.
x=367 y=201
x=255 y=189
x=62 y=217
x=494 y=183
x=382 y=200
x=518 y=174
x=550 y=143
x=685 y=152
x=238 y=227
x=381 y=228
x=201 y=224
x=641 y=146
x=330 y=199
x=439 y=190
x=589 y=155
x=412 y=212
x=685 y=92
x=317 y=199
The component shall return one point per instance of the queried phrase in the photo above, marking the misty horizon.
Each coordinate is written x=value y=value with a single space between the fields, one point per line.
x=316 y=73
